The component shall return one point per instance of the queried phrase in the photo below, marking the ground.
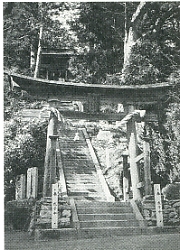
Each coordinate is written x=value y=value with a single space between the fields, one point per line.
x=21 y=241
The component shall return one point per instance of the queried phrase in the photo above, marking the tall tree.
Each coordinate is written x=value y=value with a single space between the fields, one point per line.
x=152 y=34
x=22 y=24
x=148 y=32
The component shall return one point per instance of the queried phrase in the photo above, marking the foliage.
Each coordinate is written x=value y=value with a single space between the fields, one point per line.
x=99 y=30
x=24 y=147
x=101 y=27
x=172 y=191
x=165 y=145
x=17 y=214
x=21 y=26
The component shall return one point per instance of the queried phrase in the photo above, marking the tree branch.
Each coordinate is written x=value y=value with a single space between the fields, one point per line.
x=137 y=12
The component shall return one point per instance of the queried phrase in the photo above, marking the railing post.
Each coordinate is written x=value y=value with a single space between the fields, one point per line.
x=54 y=222
x=158 y=205
x=125 y=176
x=132 y=138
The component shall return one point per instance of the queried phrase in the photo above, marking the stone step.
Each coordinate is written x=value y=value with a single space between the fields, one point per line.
x=81 y=189
x=84 y=186
x=76 y=182
x=103 y=232
x=108 y=223
x=99 y=210
x=88 y=198
x=79 y=171
x=77 y=167
x=85 y=233
x=122 y=216
x=61 y=233
x=78 y=161
x=82 y=176
x=103 y=204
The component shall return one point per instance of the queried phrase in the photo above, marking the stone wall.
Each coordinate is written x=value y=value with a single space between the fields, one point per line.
x=44 y=213
x=171 y=211
x=29 y=214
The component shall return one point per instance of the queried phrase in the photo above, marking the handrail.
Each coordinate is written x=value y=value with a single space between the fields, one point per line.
x=102 y=180
x=139 y=217
x=75 y=218
x=61 y=171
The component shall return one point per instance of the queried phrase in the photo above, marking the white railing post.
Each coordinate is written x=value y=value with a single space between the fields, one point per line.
x=54 y=221
x=158 y=205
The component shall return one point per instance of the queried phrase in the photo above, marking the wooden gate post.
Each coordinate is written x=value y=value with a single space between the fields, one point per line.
x=147 y=171
x=52 y=130
x=132 y=139
x=125 y=176
x=53 y=158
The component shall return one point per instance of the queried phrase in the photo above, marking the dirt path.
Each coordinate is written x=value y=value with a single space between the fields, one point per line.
x=21 y=241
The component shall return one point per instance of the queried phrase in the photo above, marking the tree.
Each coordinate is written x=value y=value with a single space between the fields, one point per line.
x=24 y=147
x=100 y=34
x=151 y=34
x=139 y=41
x=22 y=22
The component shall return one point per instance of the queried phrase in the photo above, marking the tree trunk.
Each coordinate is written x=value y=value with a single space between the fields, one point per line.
x=128 y=46
x=36 y=72
x=131 y=38
x=32 y=58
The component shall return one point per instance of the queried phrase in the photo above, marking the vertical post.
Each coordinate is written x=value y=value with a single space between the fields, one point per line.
x=32 y=182
x=29 y=183
x=132 y=138
x=147 y=171
x=52 y=130
x=125 y=177
x=54 y=222
x=158 y=205
x=20 y=187
x=53 y=158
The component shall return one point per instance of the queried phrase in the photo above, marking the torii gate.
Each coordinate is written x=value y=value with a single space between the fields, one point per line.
x=134 y=99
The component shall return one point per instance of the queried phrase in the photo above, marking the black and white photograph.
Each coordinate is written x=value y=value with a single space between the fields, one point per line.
x=91 y=125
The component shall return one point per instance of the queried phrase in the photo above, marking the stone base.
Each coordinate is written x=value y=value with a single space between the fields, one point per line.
x=89 y=233
x=61 y=233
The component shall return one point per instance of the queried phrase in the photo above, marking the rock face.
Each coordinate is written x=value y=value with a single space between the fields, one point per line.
x=171 y=211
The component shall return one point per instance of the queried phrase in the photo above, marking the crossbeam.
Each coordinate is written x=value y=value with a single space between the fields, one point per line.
x=35 y=113
x=44 y=89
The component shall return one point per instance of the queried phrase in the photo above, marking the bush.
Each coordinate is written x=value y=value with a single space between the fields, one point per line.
x=24 y=147
x=172 y=191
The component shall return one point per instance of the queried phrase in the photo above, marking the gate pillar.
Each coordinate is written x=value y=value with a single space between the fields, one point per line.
x=132 y=146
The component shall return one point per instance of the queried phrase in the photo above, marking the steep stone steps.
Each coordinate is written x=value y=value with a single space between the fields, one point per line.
x=79 y=170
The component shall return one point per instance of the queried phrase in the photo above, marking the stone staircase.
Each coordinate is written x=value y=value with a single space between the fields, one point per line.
x=93 y=214
x=81 y=177
x=106 y=218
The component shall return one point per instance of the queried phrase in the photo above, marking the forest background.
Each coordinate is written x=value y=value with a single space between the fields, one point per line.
x=117 y=43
